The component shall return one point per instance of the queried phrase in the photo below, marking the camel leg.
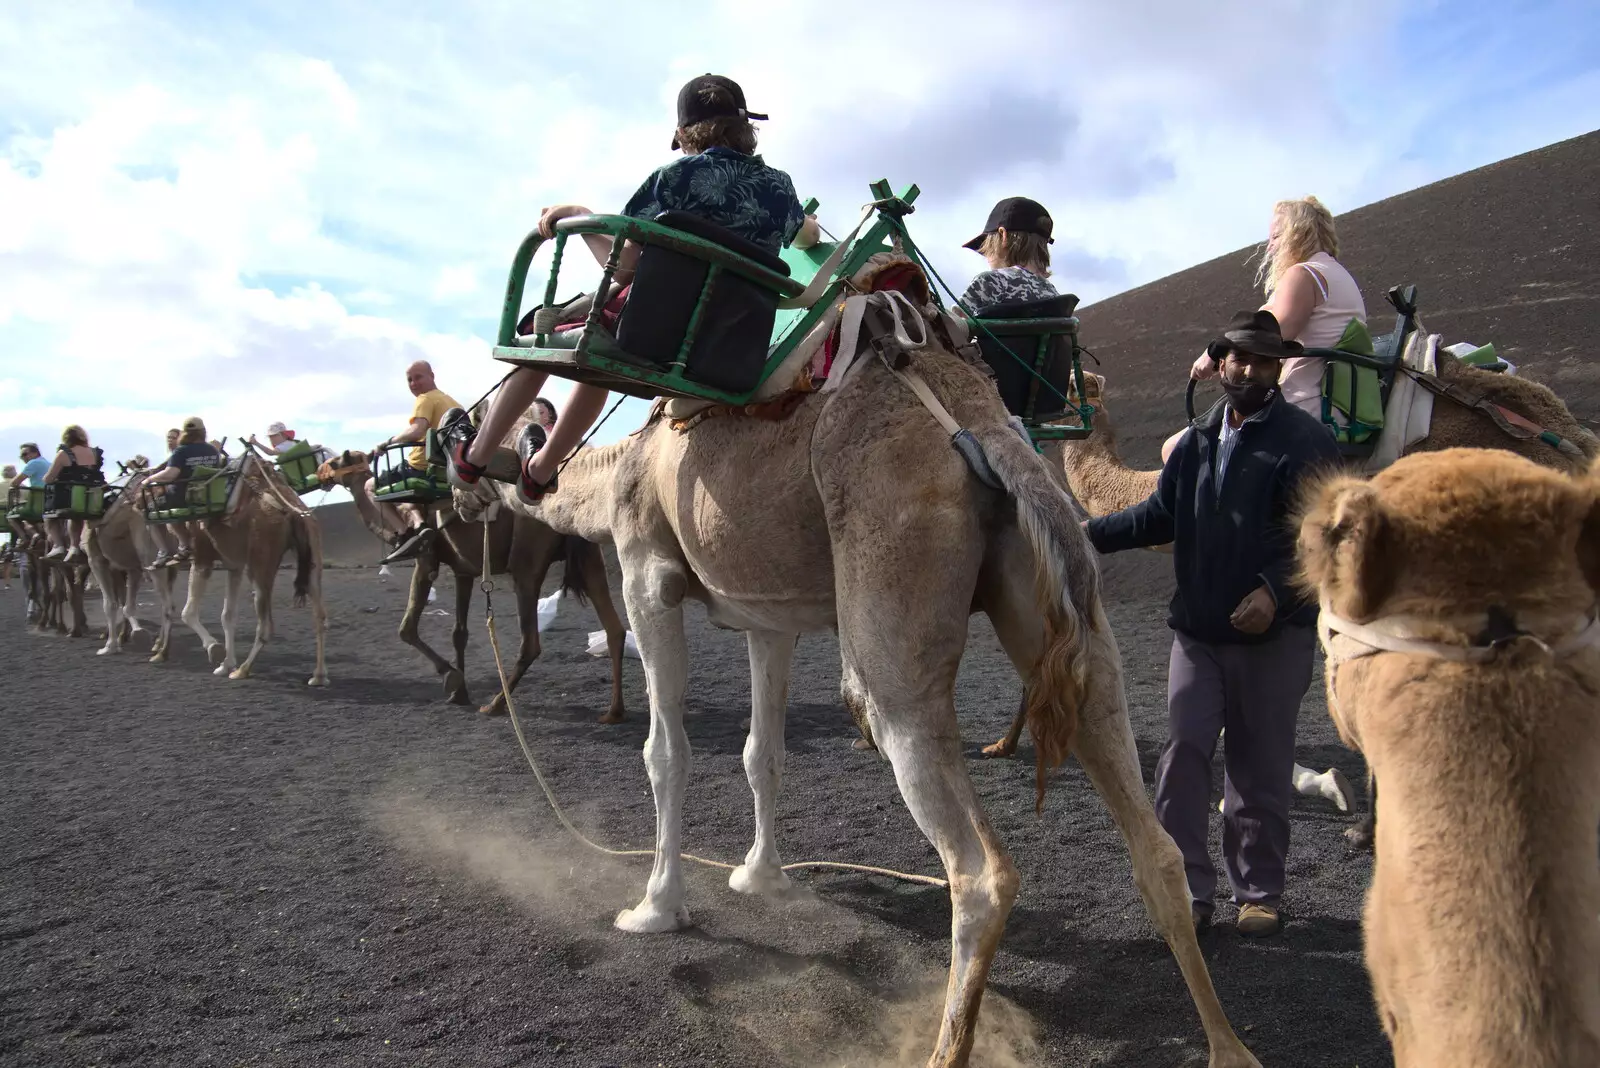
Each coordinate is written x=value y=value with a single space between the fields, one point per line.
x=162 y=581
x=527 y=589
x=110 y=594
x=77 y=580
x=599 y=591
x=199 y=578
x=422 y=576
x=771 y=659
x=458 y=628
x=319 y=622
x=230 y=622
x=132 y=580
x=261 y=590
x=1008 y=745
x=1105 y=747
x=653 y=589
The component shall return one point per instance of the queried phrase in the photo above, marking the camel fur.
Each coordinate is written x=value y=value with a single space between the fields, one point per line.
x=267 y=521
x=855 y=513
x=1481 y=932
x=120 y=549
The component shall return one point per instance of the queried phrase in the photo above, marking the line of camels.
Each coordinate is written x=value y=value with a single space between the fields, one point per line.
x=853 y=514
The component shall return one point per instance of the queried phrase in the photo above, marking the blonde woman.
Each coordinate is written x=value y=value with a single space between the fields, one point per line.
x=1308 y=291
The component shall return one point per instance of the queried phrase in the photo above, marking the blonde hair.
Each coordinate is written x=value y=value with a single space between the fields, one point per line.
x=1017 y=250
x=1305 y=228
x=724 y=131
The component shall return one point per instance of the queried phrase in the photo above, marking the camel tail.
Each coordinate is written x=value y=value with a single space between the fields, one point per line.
x=578 y=561
x=1068 y=591
x=300 y=538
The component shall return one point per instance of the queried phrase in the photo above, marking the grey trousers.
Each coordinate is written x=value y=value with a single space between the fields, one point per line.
x=1254 y=692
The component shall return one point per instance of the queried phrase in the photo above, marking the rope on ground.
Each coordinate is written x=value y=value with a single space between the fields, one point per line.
x=555 y=806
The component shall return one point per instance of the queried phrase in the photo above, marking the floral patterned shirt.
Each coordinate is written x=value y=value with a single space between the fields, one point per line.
x=729 y=188
x=1008 y=285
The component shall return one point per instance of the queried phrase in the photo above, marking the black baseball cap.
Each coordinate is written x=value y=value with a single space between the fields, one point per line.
x=692 y=109
x=1018 y=215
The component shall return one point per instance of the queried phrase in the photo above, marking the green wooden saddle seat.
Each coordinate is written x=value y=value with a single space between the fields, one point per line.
x=74 y=500
x=1358 y=373
x=206 y=495
x=299 y=467
x=397 y=482
x=1032 y=348
x=25 y=503
x=704 y=318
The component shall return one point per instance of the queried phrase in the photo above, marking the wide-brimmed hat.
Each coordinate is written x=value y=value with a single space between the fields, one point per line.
x=1254 y=333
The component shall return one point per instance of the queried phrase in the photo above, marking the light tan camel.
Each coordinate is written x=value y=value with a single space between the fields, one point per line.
x=519 y=546
x=855 y=513
x=1458 y=593
x=267 y=521
x=120 y=550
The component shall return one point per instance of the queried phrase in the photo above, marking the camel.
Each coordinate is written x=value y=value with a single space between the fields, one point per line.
x=266 y=521
x=855 y=513
x=120 y=550
x=521 y=547
x=1458 y=592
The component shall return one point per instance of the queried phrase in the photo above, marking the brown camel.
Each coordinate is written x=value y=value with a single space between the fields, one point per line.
x=266 y=521
x=120 y=551
x=1458 y=592
x=855 y=513
x=521 y=547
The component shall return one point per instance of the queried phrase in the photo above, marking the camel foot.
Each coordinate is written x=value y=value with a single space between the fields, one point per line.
x=1002 y=748
x=216 y=652
x=1360 y=836
x=317 y=680
x=497 y=707
x=645 y=918
x=762 y=880
x=863 y=744
x=238 y=673
x=615 y=715
x=106 y=650
x=1336 y=788
x=455 y=687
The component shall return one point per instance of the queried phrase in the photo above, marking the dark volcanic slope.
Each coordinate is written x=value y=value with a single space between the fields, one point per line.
x=1508 y=253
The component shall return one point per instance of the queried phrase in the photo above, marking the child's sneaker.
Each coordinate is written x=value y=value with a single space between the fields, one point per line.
x=529 y=442
x=455 y=435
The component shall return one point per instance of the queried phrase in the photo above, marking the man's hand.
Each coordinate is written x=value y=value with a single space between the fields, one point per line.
x=1256 y=612
x=552 y=215
x=1205 y=367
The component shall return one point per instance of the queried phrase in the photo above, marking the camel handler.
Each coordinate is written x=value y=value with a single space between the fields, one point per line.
x=412 y=534
x=1243 y=637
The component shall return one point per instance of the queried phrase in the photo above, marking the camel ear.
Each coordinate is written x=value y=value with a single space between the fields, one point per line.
x=1347 y=547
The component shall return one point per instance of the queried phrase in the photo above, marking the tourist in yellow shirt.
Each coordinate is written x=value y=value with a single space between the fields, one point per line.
x=412 y=534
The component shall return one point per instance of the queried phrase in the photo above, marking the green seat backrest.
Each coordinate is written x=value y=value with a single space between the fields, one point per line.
x=86 y=502
x=299 y=467
x=29 y=504
x=1352 y=397
x=207 y=491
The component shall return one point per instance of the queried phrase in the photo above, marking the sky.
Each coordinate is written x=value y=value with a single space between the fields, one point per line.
x=265 y=209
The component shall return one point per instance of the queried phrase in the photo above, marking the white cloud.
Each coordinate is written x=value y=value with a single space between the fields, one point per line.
x=265 y=212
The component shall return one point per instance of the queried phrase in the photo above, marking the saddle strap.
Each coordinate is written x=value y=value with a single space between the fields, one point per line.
x=1511 y=423
x=824 y=276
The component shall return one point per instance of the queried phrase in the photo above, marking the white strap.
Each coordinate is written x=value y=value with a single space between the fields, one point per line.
x=824 y=276
x=1316 y=276
x=850 y=344
x=915 y=383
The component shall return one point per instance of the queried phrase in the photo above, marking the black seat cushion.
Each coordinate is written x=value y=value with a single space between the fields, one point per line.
x=1011 y=356
x=707 y=230
x=735 y=328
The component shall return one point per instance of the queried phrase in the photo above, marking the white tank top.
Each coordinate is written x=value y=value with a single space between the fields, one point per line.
x=1338 y=301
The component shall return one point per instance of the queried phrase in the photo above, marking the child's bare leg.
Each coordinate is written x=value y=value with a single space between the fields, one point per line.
x=512 y=399
x=581 y=410
x=77 y=526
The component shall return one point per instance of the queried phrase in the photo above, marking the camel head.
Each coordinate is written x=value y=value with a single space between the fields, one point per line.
x=1463 y=668
x=348 y=469
x=1453 y=534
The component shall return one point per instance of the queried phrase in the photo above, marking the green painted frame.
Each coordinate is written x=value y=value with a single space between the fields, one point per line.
x=1045 y=330
x=598 y=359
x=383 y=462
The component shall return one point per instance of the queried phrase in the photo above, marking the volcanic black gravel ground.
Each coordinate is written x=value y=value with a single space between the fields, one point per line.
x=199 y=871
